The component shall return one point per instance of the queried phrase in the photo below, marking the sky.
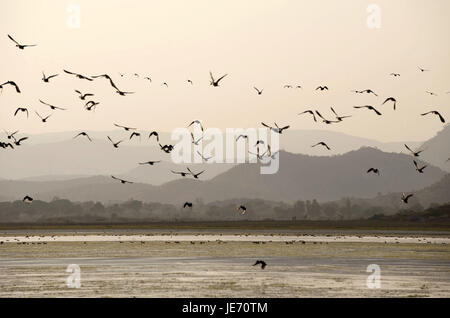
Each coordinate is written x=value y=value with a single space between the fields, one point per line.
x=266 y=44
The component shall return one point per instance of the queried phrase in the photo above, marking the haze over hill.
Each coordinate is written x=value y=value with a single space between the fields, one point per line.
x=57 y=156
x=299 y=177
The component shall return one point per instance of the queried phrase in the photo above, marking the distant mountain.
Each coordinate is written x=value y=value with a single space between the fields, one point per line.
x=300 y=177
x=437 y=149
x=57 y=156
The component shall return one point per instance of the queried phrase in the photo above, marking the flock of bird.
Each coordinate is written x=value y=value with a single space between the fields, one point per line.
x=91 y=104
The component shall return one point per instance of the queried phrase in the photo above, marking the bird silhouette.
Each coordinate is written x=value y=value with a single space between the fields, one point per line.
x=434 y=112
x=321 y=144
x=287 y=86
x=309 y=112
x=151 y=163
x=195 y=175
x=18 y=141
x=419 y=169
x=51 y=106
x=258 y=91
x=115 y=144
x=339 y=118
x=214 y=82
x=125 y=127
x=422 y=69
x=83 y=96
x=12 y=83
x=135 y=134
x=242 y=136
x=5 y=145
x=276 y=128
x=369 y=107
x=47 y=79
x=395 y=74
x=242 y=209
x=183 y=174
x=83 y=134
x=414 y=153
x=10 y=136
x=21 y=109
x=321 y=88
x=260 y=262
x=20 y=46
x=187 y=204
x=27 y=198
x=44 y=119
x=326 y=121
x=390 y=99
x=166 y=148
x=405 y=197
x=196 y=142
x=91 y=105
x=121 y=180
x=431 y=93
x=198 y=122
x=78 y=75
x=374 y=170
x=154 y=133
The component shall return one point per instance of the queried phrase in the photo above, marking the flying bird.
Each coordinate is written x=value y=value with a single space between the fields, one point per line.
x=390 y=99
x=83 y=134
x=260 y=262
x=435 y=113
x=422 y=69
x=258 y=91
x=78 y=75
x=214 y=82
x=196 y=142
x=321 y=88
x=46 y=79
x=83 y=96
x=125 y=127
x=414 y=153
x=419 y=169
x=309 y=112
x=183 y=174
x=431 y=93
x=369 y=107
x=21 y=109
x=242 y=136
x=395 y=74
x=44 y=119
x=51 y=106
x=326 y=121
x=198 y=122
x=20 y=46
x=10 y=136
x=18 y=141
x=277 y=129
x=5 y=145
x=115 y=144
x=242 y=209
x=148 y=79
x=151 y=163
x=189 y=81
x=165 y=84
x=368 y=91
x=339 y=118
x=187 y=204
x=166 y=148
x=405 y=197
x=121 y=180
x=287 y=86
x=135 y=134
x=195 y=175
x=12 y=84
x=27 y=198
x=154 y=133
x=374 y=170
x=204 y=158
x=321 y=144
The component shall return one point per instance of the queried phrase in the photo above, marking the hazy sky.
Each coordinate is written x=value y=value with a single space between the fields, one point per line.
x=257 y=43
